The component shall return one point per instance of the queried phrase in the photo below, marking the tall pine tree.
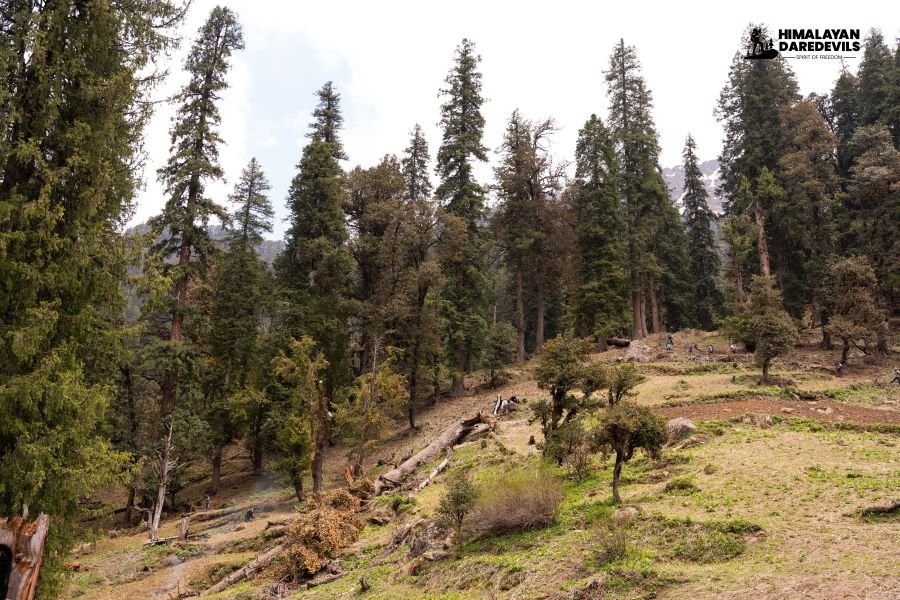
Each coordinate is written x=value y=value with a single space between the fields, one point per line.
x=602 y=302
x=73 y=106
x=462 y=199
x=699 y=220
x=328 y=120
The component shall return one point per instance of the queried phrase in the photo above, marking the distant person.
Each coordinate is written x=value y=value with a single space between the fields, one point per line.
x=710 y=349
x=896 y=378
x=690 y=348
x=839 y=368
x=733 y=348
x=206 y=505
x=669 y=346
x=669 y=339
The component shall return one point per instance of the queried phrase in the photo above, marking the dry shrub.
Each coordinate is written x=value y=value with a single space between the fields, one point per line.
x=523 y=499
x=363 y=488
x=611 y=542
x=312 y=540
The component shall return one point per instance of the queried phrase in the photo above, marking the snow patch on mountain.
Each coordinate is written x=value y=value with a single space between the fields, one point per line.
x=674 y=177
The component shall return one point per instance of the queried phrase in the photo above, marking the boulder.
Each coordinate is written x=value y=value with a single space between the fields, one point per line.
x=638 y=351
x=761 y=421
x=680 y=428
x=429 y=536
x=626 y=514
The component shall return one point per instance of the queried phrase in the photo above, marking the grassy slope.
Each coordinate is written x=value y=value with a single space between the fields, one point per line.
x=798 y=481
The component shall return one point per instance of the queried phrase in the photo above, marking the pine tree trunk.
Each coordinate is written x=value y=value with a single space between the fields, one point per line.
x=520 y=314
x=256 y=454
x=654 y=308
x=601 y=343
x=739 y=284
x=845 y=350
x=457 y=387
x=164 y=465
x=539 y=327
x=637 y=332
x=129 y=507
x=216 y=469
x=762 y=245
x=617 y=471
x=298 y=487
x=320 y=443
x=644 y=330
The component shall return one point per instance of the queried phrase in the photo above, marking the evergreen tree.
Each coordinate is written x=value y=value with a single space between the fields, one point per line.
x=773 y=330
x=873 y=201
x=238 y=295
x=601 y=297
x=313 y=270
x=805 y=219
x=463 y=202
x=856 y=316
x=845 y=109
x=72 y=109
x=328 y=120
x=644 y=197
x=415 y=167
x=704 y=259
x=876 y=74
x=526 y=177
x=193 y=163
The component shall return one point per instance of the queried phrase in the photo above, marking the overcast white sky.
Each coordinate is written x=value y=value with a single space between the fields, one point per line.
x=388 y=60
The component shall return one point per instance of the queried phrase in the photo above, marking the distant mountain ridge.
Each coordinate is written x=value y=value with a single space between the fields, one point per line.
x=674 y=177
x=268 y=250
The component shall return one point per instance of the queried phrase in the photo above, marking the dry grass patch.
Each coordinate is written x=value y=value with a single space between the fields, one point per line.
x=522 y=499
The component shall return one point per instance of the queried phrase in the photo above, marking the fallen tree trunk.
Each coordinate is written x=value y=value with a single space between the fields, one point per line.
x=22 y=542
x=253 y=566
x=209 y=515
x=618 y=342
x=448 y=438
x=437 y=471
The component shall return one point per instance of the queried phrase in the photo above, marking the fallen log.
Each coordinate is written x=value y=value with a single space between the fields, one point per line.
x=253 y=566
x=437 y=471
x=448 y=438
x=209 y=515
x=884 y=509
x=618 y=342
x=22 y=544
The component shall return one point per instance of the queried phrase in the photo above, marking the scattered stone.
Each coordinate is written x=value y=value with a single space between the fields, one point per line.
x=429 y=536
x=761 y=421
x=626 y=514
x=680 y=428
x=825 y=411
x=787 y=410
x=412 y=567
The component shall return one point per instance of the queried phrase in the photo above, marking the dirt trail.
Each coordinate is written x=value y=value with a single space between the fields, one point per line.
x=820 y=410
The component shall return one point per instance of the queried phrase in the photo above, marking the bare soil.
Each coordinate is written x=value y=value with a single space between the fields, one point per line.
x=820 y=410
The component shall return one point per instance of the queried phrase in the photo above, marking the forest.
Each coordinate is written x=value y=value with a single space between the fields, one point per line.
x=131 y=359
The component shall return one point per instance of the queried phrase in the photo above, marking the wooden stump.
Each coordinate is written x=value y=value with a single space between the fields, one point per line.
x=21 y=550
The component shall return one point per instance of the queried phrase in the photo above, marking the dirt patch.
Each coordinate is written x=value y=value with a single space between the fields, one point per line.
x=821 y=410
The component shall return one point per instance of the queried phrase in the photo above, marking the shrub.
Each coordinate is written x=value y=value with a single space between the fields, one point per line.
x=681 y=486
x=527 y=498
x=611 y=542
x=328 y=525
x=457 y=502
x=570 y=446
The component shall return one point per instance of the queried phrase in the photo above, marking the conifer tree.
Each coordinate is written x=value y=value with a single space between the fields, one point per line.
x=72 y=110
x=415 y=166
x=193 y=164
x=462 y=199
x=704 y=259
x=313 y=270
x=602 y=295
x=526 y=177
x=876 y=75
x=844 y=102
x=238 y=296
x=328 y=120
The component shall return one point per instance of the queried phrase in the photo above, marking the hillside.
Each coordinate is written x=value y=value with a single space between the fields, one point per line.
x=674 y=177
x=762 y=501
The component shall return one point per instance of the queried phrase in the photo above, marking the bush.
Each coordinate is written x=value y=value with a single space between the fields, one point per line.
x=457 y=502
x=681 y=486
x=611 y=542
x=527 y=498
x=329 y=524
x=570 y=446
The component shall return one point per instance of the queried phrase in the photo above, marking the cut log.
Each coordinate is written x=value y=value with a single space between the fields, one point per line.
x=209 y=515
x=183 y=529
x=252 y=567
x=21 y=553
x=437 y=471
x=618 y=342
x=448 y=438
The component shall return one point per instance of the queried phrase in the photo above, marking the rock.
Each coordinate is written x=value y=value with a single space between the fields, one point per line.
x=795 y=397
x=381 y=516
x=761 y=421
x=638 y=351
x=626 y=514
x=787 y=410
x=680 y=428
x=825 y=411
x=592 y=590
x=429 y=536
x=412 y=567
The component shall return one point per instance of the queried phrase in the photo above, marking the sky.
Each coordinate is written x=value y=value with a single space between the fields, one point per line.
x=388 y=59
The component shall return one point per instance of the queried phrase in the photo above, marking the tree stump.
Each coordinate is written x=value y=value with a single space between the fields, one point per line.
x=21 y=552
